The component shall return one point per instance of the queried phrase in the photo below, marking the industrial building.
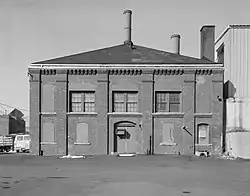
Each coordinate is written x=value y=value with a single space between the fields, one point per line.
x=232 y=49
x=12 y=123
x=128 y=99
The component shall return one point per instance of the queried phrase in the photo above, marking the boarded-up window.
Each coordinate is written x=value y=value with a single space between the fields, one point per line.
x=48 y=94
x=203 y=134
x=167 y=133
x=82 y=133
x=48 y=132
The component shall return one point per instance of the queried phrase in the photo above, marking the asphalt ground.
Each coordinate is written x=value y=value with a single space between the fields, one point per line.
x=27 y=175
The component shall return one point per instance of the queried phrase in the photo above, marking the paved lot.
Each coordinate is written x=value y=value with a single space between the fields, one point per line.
x=27 y=175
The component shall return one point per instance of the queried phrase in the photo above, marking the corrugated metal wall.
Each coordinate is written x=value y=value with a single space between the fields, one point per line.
x=237 y=59
x=236 y=43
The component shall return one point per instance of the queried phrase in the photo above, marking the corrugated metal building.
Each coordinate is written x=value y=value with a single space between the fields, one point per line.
x=233 y=50
x=127 y=99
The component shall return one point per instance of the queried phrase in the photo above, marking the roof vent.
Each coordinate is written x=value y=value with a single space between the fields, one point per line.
x=127 y=28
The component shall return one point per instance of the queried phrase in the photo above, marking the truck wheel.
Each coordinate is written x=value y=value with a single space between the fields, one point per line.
x=17 y=151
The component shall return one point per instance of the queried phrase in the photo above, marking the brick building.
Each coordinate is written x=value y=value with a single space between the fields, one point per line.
x=127 y=99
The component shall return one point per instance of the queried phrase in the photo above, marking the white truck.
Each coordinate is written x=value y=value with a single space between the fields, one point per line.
x=6 y=143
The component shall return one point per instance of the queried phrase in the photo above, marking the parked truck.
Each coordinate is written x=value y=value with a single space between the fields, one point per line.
x=6 y=143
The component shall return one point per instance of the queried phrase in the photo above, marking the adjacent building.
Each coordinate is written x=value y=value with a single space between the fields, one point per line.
x=128 y=99
x=232 y=49
x=13 y=123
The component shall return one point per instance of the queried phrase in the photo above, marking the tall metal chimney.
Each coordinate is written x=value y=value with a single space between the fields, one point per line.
x=207 y=34
x=127 y=28
x=176 y=43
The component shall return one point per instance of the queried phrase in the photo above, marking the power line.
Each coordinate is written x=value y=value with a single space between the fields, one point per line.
x=14 y=107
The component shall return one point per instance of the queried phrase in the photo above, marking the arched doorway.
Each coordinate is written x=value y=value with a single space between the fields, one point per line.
x=125 y=137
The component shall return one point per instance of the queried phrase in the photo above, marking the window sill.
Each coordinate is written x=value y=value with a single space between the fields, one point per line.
x=203 y=115
x=203 y=144
x=45 y=143
x=48 y=113
x=168 y=144
x=169 y=114
x=83 y=113
x=133 y=114
x=84 y=144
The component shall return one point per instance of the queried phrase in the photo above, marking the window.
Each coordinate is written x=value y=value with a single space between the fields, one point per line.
x=125 y=102
x=203 y=134
x=167 y=134
x=167 y=102
x=82 y=133
x=48 y=132
x=82 y=102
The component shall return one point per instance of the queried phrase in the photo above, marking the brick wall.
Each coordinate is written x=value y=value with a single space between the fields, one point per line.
x=199 y=104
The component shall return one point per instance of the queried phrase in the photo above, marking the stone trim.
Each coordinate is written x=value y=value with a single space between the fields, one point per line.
x=48 y=113
x=203 y=115
x=168 y=144
x=83 y=144
x=169 y=114
x=82 y=114
x=125 y=114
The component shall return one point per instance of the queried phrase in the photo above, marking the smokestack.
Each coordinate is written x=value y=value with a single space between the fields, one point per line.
x=207 y=34
x=127 y=28
x=176 y=43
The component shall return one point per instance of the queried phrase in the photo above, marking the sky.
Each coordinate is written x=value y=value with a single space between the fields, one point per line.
x=35 y=30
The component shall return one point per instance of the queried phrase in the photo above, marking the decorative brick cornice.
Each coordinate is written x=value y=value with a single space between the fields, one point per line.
x=82 y=71
x=203 y=71
x=125 y=72
x=168 y=71
x=48 y=71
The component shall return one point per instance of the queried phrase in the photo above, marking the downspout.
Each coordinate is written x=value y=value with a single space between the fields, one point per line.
x=194 y=113
x=40 y=114
x=67 y=110
x=153 y=109
x=108 y=113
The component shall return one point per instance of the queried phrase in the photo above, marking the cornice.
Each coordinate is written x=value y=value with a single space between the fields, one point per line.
x=169 y=71
x=48 y=72
x=82 y=71
x=203 y=71
x=125 y=71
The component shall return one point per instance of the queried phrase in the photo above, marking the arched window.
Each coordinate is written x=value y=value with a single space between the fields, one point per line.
x=48 y=132
x=48 y=94
x=203 y=134
x=82 y=133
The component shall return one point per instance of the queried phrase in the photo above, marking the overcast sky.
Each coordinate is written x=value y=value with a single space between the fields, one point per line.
x=34 y=30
